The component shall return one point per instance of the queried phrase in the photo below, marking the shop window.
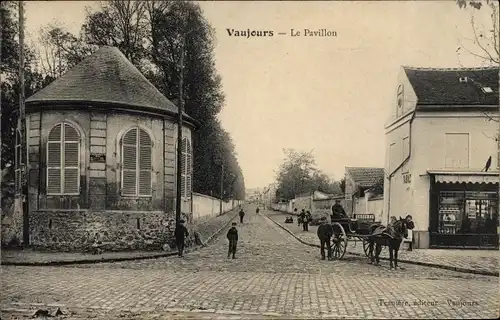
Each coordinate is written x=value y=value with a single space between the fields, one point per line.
x=63 y=160
x=457 y=150
x=137 y=163
x=468 y=212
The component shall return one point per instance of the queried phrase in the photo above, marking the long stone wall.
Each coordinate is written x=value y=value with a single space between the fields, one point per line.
x=206 y=207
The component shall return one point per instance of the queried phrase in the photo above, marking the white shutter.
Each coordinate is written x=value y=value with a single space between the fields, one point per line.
x=71 y=160
x=183 y=168
x=18 y=153
x=145 y=147
x=63 y=160
x=54 y=161
x=129 y=170
x=189 y=169
x=53 y=181
x=71 y=180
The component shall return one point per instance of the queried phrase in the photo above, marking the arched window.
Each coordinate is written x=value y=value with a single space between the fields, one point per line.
x=137 y=166
x=186 y=168
x=63 y=160
x=19 y=161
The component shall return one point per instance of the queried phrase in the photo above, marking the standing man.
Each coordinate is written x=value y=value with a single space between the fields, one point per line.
x=302 y=219
x=242 y=214
x=307 y=219
x=232 y=236
x=180 y=234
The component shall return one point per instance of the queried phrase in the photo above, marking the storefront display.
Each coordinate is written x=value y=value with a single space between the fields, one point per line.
x=464 y=218
x=451 y=211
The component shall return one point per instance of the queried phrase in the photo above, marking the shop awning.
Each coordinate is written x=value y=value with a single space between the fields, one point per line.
x=449 y=176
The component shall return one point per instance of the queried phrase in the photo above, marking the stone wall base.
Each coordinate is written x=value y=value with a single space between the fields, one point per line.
x=86 y=230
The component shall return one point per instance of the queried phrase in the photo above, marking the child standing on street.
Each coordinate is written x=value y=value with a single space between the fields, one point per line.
x=232 y=236
x=180 y=233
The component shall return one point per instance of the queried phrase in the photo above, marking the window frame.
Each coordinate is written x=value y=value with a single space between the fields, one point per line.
x=446 y=150
x=405 y=168
x=137 y=170
x=62 y=148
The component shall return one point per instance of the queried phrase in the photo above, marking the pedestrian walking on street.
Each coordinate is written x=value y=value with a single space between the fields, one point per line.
x=307 y=219
x=242 y=214
x=180 y=234
x=232 y=236
x=257 y=210
x=302 y=218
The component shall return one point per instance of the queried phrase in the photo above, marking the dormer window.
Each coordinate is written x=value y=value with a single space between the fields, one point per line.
x=463 y=79
x=486 y=89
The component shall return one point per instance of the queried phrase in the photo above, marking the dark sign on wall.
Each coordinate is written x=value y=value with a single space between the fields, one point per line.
x=407 y=178
x=98 y=157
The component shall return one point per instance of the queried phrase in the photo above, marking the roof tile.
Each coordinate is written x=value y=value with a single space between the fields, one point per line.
x=106 y=76
x=366 y=177
x=443 y=86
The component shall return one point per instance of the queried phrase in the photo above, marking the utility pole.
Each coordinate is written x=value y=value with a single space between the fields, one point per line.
x=22 y=118
x=221 y=187
x=178 y=198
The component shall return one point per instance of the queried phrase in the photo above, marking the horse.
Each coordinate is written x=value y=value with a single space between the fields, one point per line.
x=392 y=236
x=325 y=233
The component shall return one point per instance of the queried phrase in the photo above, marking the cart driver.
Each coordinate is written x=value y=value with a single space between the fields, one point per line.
x=338 y=211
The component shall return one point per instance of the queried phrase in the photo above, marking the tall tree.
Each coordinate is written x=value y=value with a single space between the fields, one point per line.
x=10 y=88
x=298 y=174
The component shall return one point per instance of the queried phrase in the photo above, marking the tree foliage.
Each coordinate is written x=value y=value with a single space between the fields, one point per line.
x=150 y=33
x=298 y=174
x=10 y=86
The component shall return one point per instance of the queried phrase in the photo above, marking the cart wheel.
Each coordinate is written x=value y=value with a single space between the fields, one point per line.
x=366 y=247
x=339 y=241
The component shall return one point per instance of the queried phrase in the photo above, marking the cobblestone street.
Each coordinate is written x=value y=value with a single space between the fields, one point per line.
x=274 y=275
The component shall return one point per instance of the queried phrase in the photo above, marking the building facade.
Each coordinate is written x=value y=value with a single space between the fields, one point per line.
x=364 y=191
x=101 y=143
x=441 y=157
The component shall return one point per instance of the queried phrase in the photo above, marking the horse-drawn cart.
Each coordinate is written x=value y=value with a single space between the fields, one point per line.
x=357 y=229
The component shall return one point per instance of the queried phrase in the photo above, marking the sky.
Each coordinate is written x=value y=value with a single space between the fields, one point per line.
x=328 y=95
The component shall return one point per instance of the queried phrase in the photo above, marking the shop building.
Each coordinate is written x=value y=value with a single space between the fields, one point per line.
x=442 y=156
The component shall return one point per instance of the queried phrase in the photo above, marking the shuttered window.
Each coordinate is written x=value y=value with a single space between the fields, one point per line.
x=186 y=169
x=18 y=164
x=63 y=160
x=137 y=163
